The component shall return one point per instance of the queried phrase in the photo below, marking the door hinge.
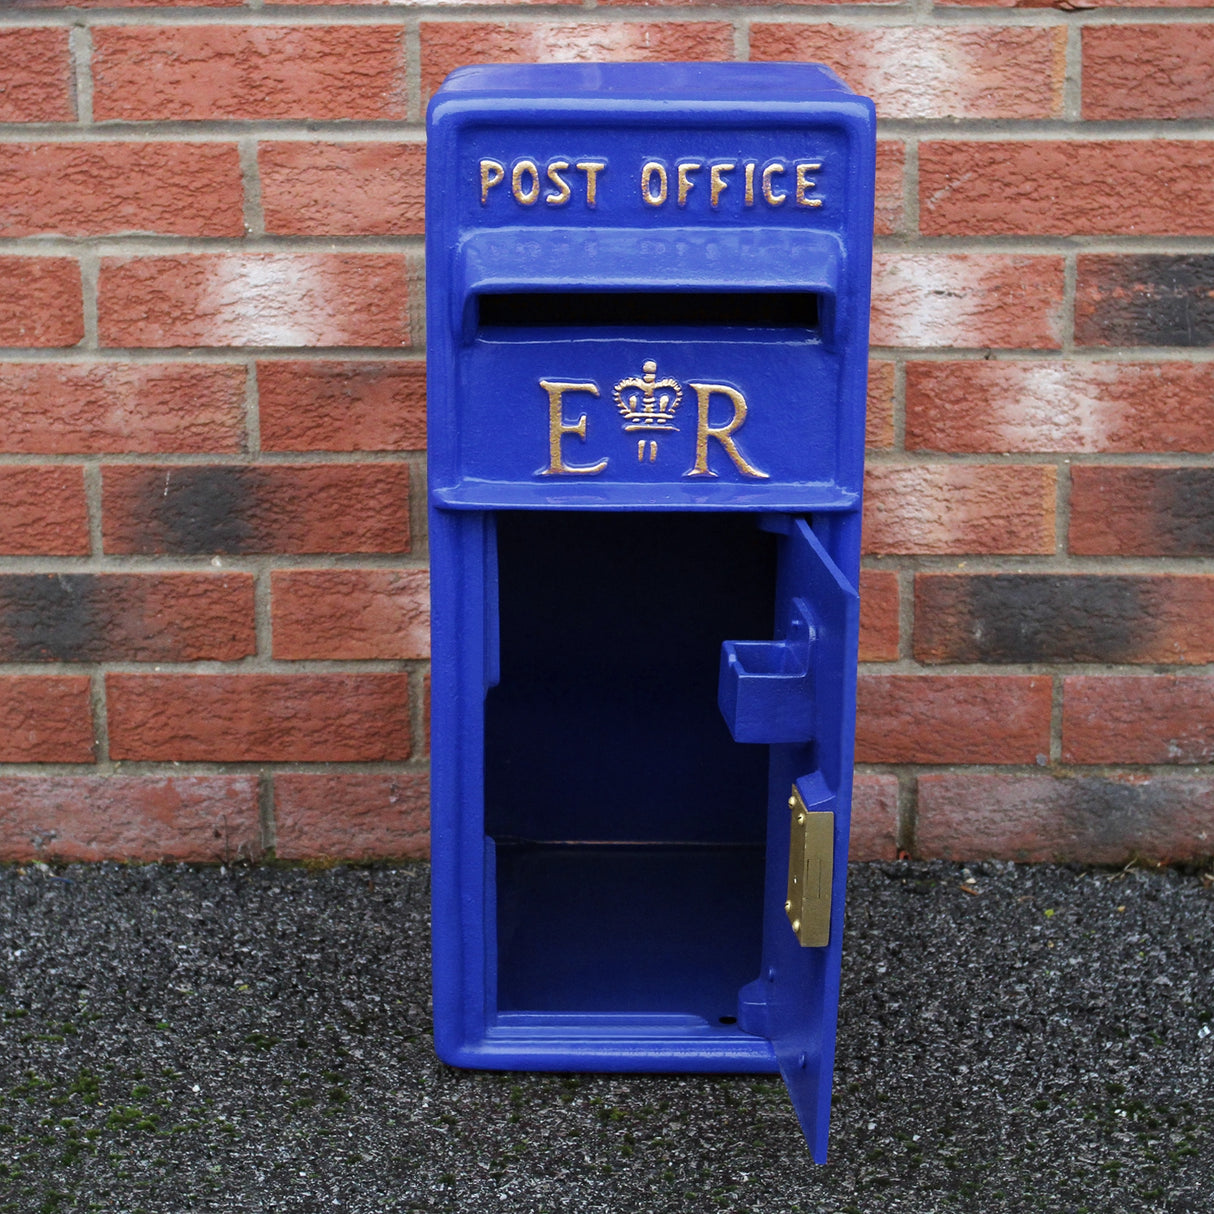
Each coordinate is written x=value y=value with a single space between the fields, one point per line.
x=811 y=850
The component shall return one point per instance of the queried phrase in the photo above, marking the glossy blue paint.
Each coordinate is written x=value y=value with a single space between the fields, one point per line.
x=647 y=303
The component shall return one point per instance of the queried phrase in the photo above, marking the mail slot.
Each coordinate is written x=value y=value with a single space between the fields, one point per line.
x=647 y=309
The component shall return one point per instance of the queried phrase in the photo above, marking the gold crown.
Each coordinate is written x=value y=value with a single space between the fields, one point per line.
x=648 y=403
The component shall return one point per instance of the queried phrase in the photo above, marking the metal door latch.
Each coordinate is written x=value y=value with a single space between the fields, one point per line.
x=810 y=869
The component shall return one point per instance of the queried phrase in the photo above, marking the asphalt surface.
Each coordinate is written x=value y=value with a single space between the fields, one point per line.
x=1011 y=1038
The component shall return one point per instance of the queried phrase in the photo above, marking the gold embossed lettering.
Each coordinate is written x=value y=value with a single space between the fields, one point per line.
x=558 y=428
x=723 y=434
x=717 y=180
x=685 y=183
x=526 y=196
x=804 y=183
x=493 y=172
x=559 y=196
x=592 y=169
x=750 y=183
x=774 y=198
x=652 y=169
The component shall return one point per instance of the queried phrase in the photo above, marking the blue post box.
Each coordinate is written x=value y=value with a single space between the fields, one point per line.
x=647 y=310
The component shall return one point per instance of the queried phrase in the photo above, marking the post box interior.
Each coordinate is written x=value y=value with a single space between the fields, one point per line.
x=626 y=828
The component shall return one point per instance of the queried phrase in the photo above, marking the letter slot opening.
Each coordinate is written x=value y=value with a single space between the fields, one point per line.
x=788 y=310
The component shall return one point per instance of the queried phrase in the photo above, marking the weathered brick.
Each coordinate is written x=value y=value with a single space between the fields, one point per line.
x=125 y=617
x=890 y=210
x=450 y=44
x=985 y=405
x=36 y=4
x=1068 y=6
x=952 y=718
x=1148 y=71
x=254 y=73
x=920 y=71
x=879 y=604
x=258 y=718
x=44 y=719
x=1061 y=187
x=874 y=818
x=1138 y=719
x=41 y=301
x=280 y=508
x=333 y=405
x=352 y=815
x=350 y=613
x=343 y=189
x=1035 y=818
x=959 y=508
x=191 y=819
x=91 y=408
x=35 y=76
x=1145 y=299
x=879 y=419
x=967 y=300
x=1061 y=617
x=96 y=189
x=44 y=511
x=1125 y=511
x=255 y=299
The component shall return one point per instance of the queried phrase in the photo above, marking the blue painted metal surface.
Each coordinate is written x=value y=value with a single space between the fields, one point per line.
x=647 y=304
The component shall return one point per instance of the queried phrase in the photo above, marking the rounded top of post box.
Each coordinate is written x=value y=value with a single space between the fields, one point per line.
x=650 y=81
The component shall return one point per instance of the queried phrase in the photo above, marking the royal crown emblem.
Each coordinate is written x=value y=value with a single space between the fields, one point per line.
x=648 y=403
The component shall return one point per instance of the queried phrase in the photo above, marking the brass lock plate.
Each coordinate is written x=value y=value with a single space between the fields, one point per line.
x=811 y=852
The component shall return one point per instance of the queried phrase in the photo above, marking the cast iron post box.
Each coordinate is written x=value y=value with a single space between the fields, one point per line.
x=647 y=312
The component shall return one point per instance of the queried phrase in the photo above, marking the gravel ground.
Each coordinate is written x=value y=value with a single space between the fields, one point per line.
x=1011 y=1038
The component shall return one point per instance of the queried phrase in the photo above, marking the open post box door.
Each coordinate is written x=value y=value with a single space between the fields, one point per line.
x=647 y=298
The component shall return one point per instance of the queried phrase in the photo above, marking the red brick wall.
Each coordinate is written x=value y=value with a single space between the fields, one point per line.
x=213 y=586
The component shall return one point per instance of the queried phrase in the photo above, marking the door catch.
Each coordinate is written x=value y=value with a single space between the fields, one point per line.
x=811 y=849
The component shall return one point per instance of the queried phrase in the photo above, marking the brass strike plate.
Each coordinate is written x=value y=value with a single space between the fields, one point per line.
x=811 y=853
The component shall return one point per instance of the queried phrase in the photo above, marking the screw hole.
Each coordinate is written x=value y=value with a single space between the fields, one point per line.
x=728 y=1019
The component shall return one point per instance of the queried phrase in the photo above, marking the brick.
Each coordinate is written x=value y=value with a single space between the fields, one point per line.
x=937 y=509
x=350 y=613
x=958 y=300
x=250 y=73
x=93 y=408
x=352 y=816
x=278 y=508
x=1138 y=719
x=879 y=605
x=1148 y=71
x=190 y=819
x=952 y=718
x=37 y=4
x=44 y=719
x=125 y=617
x=255 y=299
x=1126 y=511
x=879 y=419
x=44 y=511
x=450 y=44
x=35 y=76
x=1045 y=818
x=41 y=301
x=259 y=718
x=1061 y=617
x=97 y=189
x=343 y=189
x=920 y=71
x=1061 y=188
x=988 y=405
x=336 y=405
x=1145 y=299
x=890 y=210
x=874 y=818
